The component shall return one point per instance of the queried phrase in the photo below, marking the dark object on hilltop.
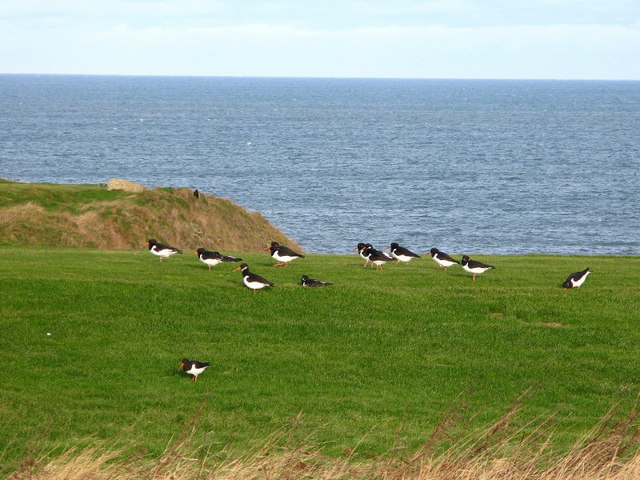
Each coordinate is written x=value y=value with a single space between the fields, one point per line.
x=312 y=282
x=282 y=254
x=196 y=193
x=251 y=280
x=576 y=280
x=474 y=267
x=193 y=367
x=161 y=250
x=442 y=259
x=401 y=254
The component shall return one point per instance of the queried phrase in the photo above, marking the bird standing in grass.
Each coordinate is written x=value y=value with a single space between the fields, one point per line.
x=401 y=254
x=193 y=367
x=161 y=250
x=442 y=259
x=474 y=267
x=376 y=257
x=361 y=247
x=211 y=259
x=576 y=280
x=282 y=254
x=251 y=280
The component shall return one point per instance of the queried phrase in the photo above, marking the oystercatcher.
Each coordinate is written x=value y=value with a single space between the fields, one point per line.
x=361 y=247
x=376 y=257
x=193 y=367
x=211 y=259
x=442 y=259
x=576 y=280
x=251 y=280
x=282 y=254
x=474 y=267
x=401 y=254
x=312 y=282
x=162 y=251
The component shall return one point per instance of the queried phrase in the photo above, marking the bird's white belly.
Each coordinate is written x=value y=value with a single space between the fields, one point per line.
x=401 y=258
x=283 y=258
x=253 y=285
x=211 y=261
x=475 y=270
x=443 y=263
x=579 y=282
x=195 y=371
x=163 y=253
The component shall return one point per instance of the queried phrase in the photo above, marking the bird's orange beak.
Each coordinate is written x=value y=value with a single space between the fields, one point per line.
x=235 y=269
x=181 y=365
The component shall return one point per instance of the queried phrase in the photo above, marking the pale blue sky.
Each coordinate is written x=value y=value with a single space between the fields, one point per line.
x=556 y=39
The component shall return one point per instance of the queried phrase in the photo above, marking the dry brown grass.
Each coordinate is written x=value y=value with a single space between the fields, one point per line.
x=172 y=216
x=499 y=452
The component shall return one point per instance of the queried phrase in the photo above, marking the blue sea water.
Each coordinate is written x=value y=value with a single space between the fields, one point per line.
x=468 y=166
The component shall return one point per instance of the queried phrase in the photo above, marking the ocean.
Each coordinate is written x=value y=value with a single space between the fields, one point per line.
x=467 y=166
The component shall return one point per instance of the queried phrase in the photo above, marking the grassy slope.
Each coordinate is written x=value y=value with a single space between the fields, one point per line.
x=378 y=357
x=90 y=216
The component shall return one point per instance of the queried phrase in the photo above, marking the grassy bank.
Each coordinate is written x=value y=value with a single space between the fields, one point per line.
x=372 y=362
x=56 y=215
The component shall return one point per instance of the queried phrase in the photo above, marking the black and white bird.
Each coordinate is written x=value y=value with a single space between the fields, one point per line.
x=193 y=367
x=376 y=257
x=251 y=280
x=401 y=254
x=361 y=247
x=312 y=282
x=474 y=267
x=211 y=259
x=161 y=250
x=442 y=259
x=576 y=280
x=282 y=254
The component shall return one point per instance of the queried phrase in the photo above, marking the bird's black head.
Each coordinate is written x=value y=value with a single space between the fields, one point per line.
x=200 y=251
x=304 y=278
x=394 y=245
x=243 y=267
x=151 y=242
x=433 y=251
x=465 y=258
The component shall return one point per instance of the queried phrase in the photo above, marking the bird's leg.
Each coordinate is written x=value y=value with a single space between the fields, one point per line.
x=474 y=277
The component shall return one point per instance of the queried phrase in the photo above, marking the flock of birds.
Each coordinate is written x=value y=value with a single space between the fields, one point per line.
x=283 y=255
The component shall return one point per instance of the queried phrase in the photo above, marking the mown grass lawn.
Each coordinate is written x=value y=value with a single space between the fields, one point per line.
x=373 y=361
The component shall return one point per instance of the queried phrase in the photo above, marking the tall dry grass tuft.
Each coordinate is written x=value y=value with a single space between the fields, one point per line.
x=454 y=451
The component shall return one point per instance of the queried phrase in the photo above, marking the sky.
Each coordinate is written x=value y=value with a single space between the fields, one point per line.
x=522 y=39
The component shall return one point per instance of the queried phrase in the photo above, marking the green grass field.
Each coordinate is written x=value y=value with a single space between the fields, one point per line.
x=373 y=361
